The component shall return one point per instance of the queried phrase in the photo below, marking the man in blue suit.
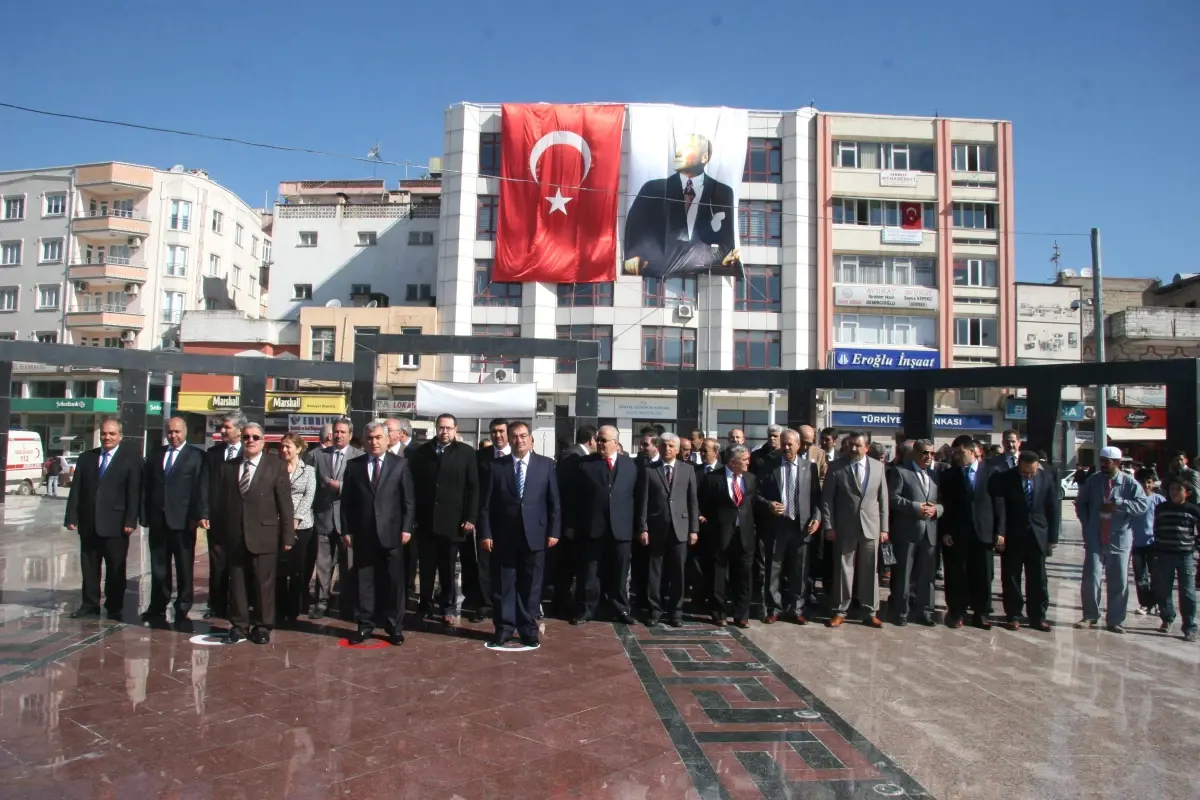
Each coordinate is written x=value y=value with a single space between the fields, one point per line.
x=519 y=518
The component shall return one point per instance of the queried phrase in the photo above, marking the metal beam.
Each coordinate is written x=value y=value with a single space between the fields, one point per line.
x=485 y=346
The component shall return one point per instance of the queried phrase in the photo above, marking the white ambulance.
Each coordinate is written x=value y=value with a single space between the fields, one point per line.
x=25 y=460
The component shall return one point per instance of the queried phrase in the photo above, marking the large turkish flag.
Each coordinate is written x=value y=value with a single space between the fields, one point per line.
x=561 y=172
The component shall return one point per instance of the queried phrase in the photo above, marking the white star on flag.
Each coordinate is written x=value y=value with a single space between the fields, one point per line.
x=558 y=202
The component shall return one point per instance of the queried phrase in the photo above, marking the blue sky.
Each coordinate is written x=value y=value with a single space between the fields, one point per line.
x=1103 y=96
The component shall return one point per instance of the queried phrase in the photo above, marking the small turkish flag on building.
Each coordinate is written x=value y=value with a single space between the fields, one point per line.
x=560 y=176
x=912 y=216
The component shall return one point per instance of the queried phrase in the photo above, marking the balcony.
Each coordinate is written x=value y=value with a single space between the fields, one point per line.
x=113 y=177
x=109 y=316
x=111 y=225
x=110 y=268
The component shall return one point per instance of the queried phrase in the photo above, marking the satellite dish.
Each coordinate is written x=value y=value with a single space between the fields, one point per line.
x=373 y=304
x=1086 y=272
x=335 y=303
x=1068 y=273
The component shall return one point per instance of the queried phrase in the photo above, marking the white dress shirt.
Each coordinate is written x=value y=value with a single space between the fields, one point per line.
x=729 y=480
x=371 y=465
x=501 y=452
x=232 y=451
x=167 y=455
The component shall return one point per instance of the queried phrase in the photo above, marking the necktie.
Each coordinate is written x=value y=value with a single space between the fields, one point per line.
x=520 y=479
x=689 y=196
x=439 y=451
x=244 y=481
x=170 y=461
x=104 y=461
x=924 y=481
x=790 y=491
x=337 y=462
x=737 y=491
x=1012 y=461
x=230 y=452
x=375 y=470
x=670 y=477
x=708 y=468
x=1029 y=493
x=609 y=463
x=969 y=474
x=858 y=475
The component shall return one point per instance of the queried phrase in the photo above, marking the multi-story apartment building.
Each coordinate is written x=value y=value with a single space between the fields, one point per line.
x=112 y=255
x=355 y=242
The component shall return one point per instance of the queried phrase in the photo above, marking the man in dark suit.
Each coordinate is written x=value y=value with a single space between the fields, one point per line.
x=378 y=511
x=968 y=529
x=330 y=464
x=914 y=513
x=727 y=499
x=767 y=455
x=174 y=502
x=228 y=449
x=699 y=557
x=565 y=556
x=675 y=224
x=476 y=562
x=601 y=514
x=519 y=520
x=790 y=500
x=446 y=480
x=1012 y=452
x=105 y=499
x=257 y=522
x=668 y=523
x=1030 y=516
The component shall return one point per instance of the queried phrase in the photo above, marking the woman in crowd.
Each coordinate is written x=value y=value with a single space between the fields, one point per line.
x=293 y=573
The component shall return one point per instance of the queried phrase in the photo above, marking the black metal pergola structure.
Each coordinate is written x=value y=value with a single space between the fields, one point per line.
x=1043 y=383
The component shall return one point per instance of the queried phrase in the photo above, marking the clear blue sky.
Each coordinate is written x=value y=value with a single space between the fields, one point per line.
x=1103 y=96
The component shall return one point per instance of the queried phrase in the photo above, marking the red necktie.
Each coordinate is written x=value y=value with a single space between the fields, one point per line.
x=737 y=491
x=608 y=463
x=689 y=196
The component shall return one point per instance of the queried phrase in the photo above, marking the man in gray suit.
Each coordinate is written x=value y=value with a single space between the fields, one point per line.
x=330 y=463
x=854 y=511
x=915 y=509
x=790 y=495
x=668 y=522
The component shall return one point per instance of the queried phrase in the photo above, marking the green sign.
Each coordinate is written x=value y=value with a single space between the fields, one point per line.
x=74 y=405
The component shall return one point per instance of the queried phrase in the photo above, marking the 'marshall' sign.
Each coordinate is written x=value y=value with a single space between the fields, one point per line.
x=878 y=358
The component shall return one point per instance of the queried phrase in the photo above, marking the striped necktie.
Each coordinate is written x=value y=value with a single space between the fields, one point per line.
x=244 y=481
x=520 y=478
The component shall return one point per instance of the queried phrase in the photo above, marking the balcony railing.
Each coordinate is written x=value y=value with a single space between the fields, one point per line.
x=110 y=212
x=101 y=261
x=87 y=307
x=179 y=223
x=359 y=211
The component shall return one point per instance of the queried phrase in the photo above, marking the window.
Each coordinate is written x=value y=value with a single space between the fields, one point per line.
x=360 y=289
x=172 y=309
x=122 y=208
x=237 y=276
x=254 y=247
x=908 y=156
x=757 y=350
x=585 y=295
x=218 y=221
x=47 y=296
x=485 y=223
x=849 y=211
x=9 y=296
x=52 y=251
x=980 y=216
x=253 y=285
x=410 y=360
x=55 y=205
x=367 y=239
x=177 y=260
x=753 y=424
x=494 y=294
x=115 y=300
x=973 y=158
x=302 y=291
x=10 y=253
x=968 y=395
x=10 y=336
x=181 y=216
x=586 y=333
x=668 y=348
x=761 y=222
x=418 y=293
x=882 y=271
x=668 y=292
x=214 y=265
x=238 y=230
x=489 y=154
x=322 y=344
x=764 y=161
x=975 y=331
x=14 y=207
x=55 y=389
x=885 y=329
x=758 y=289
x=974 y=272
x=266 y=256
x=420 y=237
x=308 y=238
x=486 y=365
x=48 y=337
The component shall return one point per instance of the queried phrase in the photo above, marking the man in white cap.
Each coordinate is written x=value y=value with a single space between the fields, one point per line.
x=1106 y=506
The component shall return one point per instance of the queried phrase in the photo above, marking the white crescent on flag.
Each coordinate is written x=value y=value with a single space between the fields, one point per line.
x=568 y=138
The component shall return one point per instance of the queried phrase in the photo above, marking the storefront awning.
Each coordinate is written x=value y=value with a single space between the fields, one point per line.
x=476 y=400
x=1137 y=434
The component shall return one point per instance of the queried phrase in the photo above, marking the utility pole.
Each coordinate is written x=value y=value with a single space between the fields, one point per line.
x=1101 y=425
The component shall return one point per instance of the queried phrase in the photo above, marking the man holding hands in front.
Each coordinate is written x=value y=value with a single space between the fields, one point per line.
x=668 y=522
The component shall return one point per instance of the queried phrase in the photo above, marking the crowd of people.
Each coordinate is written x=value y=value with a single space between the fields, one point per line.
x=795 y=530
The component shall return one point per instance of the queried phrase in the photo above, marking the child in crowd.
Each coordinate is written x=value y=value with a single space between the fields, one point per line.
x=1143 y=543
x=1175 y=538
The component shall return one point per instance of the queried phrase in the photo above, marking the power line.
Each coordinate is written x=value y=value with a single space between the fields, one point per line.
x=409 y=164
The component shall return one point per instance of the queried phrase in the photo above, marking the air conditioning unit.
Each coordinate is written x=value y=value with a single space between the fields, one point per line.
x=81 y=286
x=1089 y=412
x=543 y=405
x=132 y=289
x=504 y=376
x=686 y=311
x=135 y=242
x=128 y=337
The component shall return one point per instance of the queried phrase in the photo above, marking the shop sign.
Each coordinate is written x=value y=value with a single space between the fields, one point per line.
x=898 y=177
x=280 y=403
x=63 y=405
x=882 y=359
x=225 y=402
x=310 y=424
x=395 y=406
x=885 y=296
x=865 y=419
x=1017 y=409
x=901 y=236
x=1136 y=417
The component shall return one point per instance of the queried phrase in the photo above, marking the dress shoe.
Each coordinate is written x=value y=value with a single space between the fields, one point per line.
x=1012 y=624
x=873 y=622
x=1087 y=624
x=900 y=622
x=623 y=617
x=1190 y=636
x=360 y=636
x=981 y=622
x=85 y=613
x=1115 y=628
x=799 y=619
x=653 y=619
x=579 y=621
x=770 y=619
x=154 y=616
x=675 y=622
x=742 y=623
x=928 y=620
x=532 y=642
x=396 y=638
x=719 y=621
x=115 y=614
x=1042 y=626
x=209 y=613
x=479 y=616
x=260 y=635
x=837 y=620
x=316 y=612
x=184 y=625
x=234 y=636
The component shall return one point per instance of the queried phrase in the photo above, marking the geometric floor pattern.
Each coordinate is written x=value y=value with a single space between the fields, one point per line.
x=745 y=728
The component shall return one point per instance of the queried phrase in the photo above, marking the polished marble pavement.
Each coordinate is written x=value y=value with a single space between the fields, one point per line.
x=105 y=709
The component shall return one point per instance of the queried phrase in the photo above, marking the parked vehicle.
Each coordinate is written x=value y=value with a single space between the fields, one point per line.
x=1068 y=489
x=64 y=479
x=25 y=460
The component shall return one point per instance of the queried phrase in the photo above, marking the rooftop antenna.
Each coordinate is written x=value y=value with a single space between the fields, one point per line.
x=373 y=154
x=1055 y=257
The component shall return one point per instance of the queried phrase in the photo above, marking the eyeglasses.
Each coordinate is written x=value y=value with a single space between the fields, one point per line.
x=601 y=440
x=250 y=437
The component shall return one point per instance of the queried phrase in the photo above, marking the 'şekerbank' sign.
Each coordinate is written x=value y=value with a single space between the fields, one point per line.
x=878 y=358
